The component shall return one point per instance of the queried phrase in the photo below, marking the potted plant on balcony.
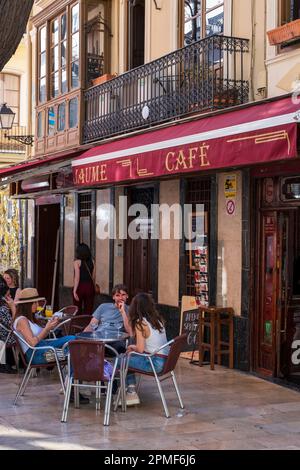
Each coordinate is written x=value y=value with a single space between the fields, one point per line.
x=284 y=33
x=103 y=78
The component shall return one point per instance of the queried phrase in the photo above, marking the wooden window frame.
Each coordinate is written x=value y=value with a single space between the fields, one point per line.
x=5 y=90
x=282 y=20
x=67 y=10
x=203 y=14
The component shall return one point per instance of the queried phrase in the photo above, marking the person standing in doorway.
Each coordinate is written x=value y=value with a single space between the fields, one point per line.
x=84 y=280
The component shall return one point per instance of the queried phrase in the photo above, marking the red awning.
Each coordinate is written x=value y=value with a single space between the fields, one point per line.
x=35 y=163
x=255 y=134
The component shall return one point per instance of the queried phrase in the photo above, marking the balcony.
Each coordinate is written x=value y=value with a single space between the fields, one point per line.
x=204 y=76
x=8 y=146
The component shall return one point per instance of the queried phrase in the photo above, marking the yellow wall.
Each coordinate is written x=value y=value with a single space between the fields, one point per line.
x=69 y=240
x=168 y=257
x=102 y=246
x=229 y=248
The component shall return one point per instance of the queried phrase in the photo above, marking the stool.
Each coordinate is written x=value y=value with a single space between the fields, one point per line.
x=214 y=318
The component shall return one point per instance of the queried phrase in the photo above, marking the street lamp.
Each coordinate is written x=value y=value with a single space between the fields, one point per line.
x=7 y=117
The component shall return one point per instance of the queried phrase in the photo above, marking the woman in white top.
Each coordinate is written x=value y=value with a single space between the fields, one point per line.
x=150 y=334
x=25 y=324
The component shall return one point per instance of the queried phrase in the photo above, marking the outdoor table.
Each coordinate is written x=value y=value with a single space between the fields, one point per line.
x=110 y=336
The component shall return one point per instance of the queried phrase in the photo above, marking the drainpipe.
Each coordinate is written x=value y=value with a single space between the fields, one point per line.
x=21 y=244
x=29 y=83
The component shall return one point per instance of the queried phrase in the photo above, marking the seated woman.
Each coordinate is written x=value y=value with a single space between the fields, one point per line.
x=150 y=334
x=7 y=310
x=26 y=325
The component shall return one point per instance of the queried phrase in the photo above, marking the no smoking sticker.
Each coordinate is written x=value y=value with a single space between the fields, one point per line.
x=230 y=207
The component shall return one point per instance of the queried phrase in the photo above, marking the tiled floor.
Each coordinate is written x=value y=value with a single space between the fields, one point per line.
x=224 y=410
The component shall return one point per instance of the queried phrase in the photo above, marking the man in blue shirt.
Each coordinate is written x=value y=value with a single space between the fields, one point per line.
x=113 y=314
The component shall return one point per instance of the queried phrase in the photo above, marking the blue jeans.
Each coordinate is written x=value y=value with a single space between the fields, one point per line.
x=39 y=357
x=143 y=364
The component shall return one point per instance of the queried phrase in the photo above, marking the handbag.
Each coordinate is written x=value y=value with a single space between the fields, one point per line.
x=50 y=356
x=96 y=286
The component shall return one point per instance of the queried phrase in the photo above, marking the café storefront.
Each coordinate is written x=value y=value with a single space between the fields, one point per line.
x=193 y=163
x=215 y=161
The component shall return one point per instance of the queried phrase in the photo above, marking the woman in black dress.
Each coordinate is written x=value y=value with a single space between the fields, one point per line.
x=84 y=280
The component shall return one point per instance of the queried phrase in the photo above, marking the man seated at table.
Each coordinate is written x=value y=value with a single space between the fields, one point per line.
x=114 y=314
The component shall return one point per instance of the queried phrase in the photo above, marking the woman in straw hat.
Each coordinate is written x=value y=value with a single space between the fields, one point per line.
x=25 y=324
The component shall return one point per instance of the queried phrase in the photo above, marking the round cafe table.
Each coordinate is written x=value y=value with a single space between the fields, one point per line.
x=106 y=336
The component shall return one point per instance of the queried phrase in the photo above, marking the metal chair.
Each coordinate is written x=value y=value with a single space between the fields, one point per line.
x=29 y=366
x=86 y=361
x=69 y=311
x=176 y=346
x=12 y=346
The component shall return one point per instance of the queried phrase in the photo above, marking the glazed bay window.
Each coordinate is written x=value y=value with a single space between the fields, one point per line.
x=59 y=54
x=202 y=18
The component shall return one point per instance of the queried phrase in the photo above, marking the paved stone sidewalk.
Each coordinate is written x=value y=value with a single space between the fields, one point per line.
x=225 y=409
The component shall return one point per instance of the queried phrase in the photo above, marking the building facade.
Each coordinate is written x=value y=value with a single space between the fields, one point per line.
x=138 y=99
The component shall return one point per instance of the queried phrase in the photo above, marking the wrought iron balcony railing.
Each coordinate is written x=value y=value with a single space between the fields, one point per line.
x=204 y=76
x=13 y=146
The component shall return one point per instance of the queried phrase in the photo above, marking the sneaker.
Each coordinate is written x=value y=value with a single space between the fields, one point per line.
x=131 y=399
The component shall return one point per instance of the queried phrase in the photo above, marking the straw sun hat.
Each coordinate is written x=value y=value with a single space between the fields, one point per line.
x=30 y=294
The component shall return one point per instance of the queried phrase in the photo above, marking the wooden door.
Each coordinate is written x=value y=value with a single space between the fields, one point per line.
x=48 y=219
x=276 y=302
x=136 y=34
x=137 y=261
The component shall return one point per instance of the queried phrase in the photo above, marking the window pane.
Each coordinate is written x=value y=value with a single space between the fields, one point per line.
x=73 y=113
x=63 y=27
x=43 y=89
x=75 y=18
x=215 y=22
x=54 y=59
x=63 y=53
x=51 y=121
x=64 y=83
x=213 y=4
x=40 y=127
x=54 y=85
x=61 y=117
x=43 y=39
x=55 y=33
x=192 y=21
x=75 y=46
x=43 y=64
x=75 y=74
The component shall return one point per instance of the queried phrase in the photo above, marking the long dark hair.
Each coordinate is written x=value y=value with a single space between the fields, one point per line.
x=25 y=310
x=83 y=252
x=13 y=273
x=142 y=306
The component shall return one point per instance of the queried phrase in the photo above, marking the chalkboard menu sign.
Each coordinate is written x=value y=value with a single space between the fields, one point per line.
x=189 y=322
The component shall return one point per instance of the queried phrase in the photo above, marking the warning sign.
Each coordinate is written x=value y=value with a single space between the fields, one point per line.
x=230 y=207
x=230 y=186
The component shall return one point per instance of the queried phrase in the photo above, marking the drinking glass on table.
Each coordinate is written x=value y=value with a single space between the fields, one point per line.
x=48 y=311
